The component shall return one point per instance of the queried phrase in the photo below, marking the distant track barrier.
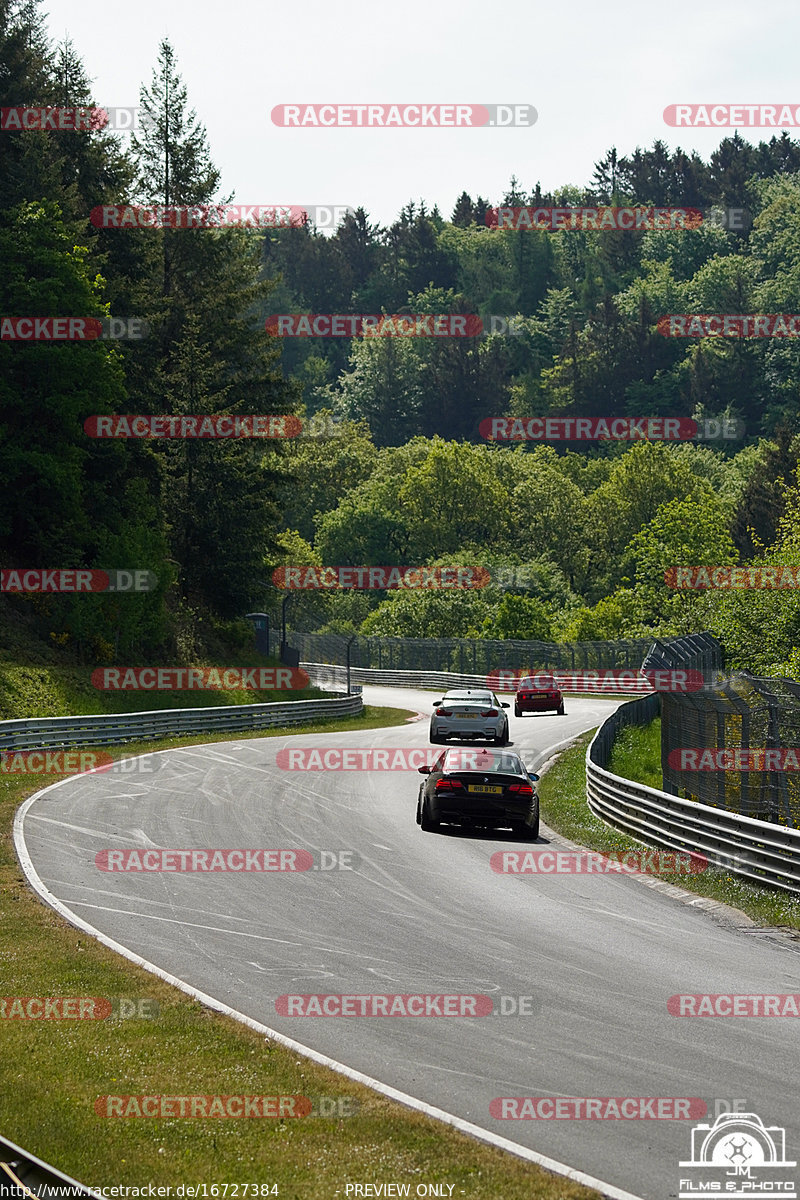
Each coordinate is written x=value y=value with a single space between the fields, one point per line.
x=115 y=728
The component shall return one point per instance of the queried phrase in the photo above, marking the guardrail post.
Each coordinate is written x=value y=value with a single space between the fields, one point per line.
x=349 y=644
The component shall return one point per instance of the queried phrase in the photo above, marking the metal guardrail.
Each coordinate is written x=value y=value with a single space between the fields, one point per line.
x=115 y=728
x=26 y=1173
x=759 y=850
x=335 y=674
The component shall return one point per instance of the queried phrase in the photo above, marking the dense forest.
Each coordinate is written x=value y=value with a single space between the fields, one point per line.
x=391 y=467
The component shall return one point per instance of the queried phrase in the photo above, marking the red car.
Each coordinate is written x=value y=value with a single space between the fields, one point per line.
x=537 y=695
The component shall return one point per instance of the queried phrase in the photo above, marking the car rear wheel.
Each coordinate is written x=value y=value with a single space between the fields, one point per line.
x=517 y=711
x=425 y=820
x=526 y=832
x=502 y=738
x=437 y=740
x=560 y=709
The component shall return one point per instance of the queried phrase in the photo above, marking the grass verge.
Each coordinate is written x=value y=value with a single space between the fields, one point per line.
x=51 y=1072
x=563 y=804
x=636 y=754
x=48 y=691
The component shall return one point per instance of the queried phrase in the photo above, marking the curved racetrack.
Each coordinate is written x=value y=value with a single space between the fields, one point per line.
x=425 y=913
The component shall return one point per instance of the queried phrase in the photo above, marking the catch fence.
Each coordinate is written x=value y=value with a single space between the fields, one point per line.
x=735 y=743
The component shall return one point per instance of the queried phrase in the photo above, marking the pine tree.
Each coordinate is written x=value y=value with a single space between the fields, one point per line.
x=209 y=355
x=464 y=211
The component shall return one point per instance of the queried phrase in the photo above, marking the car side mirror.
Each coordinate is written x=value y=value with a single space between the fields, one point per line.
x=504 y=705
x=535 y=778
x=424 y=770
x=436 y=703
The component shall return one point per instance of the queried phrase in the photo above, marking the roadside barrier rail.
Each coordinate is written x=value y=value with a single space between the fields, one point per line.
x=763 y=851
x=108 y=729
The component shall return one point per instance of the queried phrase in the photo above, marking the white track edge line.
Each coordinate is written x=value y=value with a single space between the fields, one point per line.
x=466 y=1127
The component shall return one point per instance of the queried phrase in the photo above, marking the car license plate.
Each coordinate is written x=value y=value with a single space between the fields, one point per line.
x=467 y=717
x=494 y=791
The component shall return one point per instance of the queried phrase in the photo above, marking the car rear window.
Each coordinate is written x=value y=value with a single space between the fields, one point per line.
x=480 y=759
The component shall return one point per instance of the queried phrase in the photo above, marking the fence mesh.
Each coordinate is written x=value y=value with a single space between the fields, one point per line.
x=736 y=712
x=467 y=656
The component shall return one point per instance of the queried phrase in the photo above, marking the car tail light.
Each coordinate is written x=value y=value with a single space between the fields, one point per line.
x=449 y=785
x=443 y=712
x=524 y=696
x=520 y=789
x=490 y=712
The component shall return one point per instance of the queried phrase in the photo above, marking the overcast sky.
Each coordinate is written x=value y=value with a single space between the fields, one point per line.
x=599 y=75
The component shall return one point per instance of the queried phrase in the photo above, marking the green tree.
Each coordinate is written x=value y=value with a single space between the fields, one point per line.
x=642 y=479
x=383 y=386
x=322 y=470
x=69 y=500
x=206 y=356
x=549 y=515
x=614 y=617
x=682 y=533
x=763 y=501
x=454 y=501
x=522 y=617
x=427 y=614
